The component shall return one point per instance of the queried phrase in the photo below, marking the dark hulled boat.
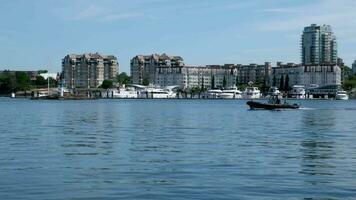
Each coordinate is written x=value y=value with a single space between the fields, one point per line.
x=269 y=106
x=275 y=101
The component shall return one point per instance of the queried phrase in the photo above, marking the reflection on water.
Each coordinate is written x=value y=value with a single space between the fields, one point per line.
x=316 y=144
x=175 y=149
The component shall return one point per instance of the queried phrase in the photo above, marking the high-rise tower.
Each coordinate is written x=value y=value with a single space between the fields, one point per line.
x=319 y=45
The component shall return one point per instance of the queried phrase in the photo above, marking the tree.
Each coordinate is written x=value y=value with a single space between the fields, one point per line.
x=281 y=83
x=40 y=81
x=224 y=82
x=202 y=84
x=237 y=81
x=23 y=81
x=145 y=81
x=123 y=78
x=350 y=83
x=286 y=84
x=274 y=81
x=42 y=71
x=213 y=82
x=195 y=90
x=107 y=84
x=7 y=83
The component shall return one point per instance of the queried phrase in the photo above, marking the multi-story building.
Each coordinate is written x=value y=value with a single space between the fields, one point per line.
x=167 y=70
x=254 y=73
x=194 y=76
x=354 y=67
x=211 y=76
x=322 y=75
x=144 y=68
x=223 y=76
x=318 y=45
x=295 y=73
x=307 y=75
x=88 y=70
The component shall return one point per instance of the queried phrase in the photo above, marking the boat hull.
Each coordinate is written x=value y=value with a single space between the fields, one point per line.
x=259 y=105
x=341 y=97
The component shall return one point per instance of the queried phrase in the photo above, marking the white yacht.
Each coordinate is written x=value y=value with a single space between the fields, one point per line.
x=213 y=94
x=230 y=94
x=341 y=95
x=298 y=92
x=252 y=93
x=125 y=93
x=156 y=92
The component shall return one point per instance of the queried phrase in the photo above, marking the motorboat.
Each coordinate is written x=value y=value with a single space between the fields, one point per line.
x=298 y=92
x=213 y=93
x=275 y=102
x=156 y=92
x=230 y=94
x=252 y=93
x=125 y=93
x=341 y=95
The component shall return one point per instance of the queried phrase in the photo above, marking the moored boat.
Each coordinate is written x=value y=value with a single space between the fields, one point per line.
x=298 y=92
x=252 y=93
x=232 y=93
x=341 y=95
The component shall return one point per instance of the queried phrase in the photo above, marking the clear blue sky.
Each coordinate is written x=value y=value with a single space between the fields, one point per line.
x=38 y=34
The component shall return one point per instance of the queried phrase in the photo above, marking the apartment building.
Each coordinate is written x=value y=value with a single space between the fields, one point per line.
x=88 y=70
x=144 y=67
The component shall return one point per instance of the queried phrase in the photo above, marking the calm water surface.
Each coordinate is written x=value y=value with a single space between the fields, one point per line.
x=176 y=149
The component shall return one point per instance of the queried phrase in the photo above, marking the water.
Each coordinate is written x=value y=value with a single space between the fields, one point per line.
x=176 y=149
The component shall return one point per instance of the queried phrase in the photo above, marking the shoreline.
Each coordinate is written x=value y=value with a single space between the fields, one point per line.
x=238 y=99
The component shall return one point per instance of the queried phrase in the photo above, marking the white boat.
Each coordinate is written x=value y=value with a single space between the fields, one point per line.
x=341 y=95
x=298 y=92
x=252 y=93
x=230 y=94
x=125 y=93
x=213 y=94
x=156 y=92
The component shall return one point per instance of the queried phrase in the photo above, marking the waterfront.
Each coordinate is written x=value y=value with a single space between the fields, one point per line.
x=176 y=149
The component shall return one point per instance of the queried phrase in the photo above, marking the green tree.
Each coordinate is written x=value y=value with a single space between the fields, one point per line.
x=42 y=71
x=107 y=84
x=286 y=84
x=123 y=78
x=7 y=83
x=350 y=83
x=281 y=83
x=274 y=81
x=145 y=81
x=40 y=81
x=224 y=82
x=23 y=81
x=194 y=90
x=213 y=82
x=241 y=86
x=202 y=84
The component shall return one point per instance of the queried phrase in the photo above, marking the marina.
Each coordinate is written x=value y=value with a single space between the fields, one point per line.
x=112 y=149
x=177 y=100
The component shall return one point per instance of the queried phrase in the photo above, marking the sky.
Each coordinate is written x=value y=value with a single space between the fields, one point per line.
x=38 y=34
